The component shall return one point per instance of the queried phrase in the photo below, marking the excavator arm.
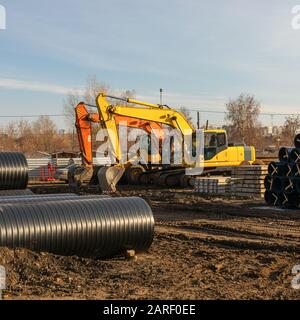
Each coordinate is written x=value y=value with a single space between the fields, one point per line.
x=108 y=177
x=84 y=120
x=151 y=113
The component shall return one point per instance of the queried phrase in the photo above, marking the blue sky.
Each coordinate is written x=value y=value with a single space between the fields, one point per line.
x=201 y=52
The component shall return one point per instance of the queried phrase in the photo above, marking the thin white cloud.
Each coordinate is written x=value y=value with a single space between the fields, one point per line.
x=16 y=84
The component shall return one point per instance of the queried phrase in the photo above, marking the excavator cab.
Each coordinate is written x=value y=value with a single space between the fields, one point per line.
x=215 y=141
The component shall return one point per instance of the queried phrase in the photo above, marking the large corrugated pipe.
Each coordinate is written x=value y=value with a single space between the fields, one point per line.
x=8 y=193
x=48 y=198
x=13 y=171
x=297 y=141
x=89 y=227
x=37 y=197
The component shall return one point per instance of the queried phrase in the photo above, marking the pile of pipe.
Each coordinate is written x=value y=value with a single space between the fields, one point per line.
x=13 y=173
x=67 y=224
x=283 y=180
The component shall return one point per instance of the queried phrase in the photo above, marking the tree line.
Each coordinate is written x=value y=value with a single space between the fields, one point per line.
x=42 y=135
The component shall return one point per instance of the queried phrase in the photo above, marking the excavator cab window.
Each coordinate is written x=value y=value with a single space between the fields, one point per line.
x=221 y=140
x=213 y=144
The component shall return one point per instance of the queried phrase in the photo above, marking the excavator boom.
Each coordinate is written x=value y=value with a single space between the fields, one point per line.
x=110 y=175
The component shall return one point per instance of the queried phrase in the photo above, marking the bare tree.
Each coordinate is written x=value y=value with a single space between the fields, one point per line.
x=242 y=116
x=44 y=131
x=289 y=129
x=92 y=90
x=186 y=112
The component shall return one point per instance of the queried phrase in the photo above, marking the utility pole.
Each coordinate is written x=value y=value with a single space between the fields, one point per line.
x=198 y=120
x=73 y=140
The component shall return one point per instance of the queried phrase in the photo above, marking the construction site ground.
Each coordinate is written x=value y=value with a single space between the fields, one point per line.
x=204 y=248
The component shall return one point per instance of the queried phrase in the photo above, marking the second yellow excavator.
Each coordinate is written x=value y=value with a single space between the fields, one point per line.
x=218 y=154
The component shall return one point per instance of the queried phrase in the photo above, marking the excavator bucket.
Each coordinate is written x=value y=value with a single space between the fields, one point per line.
x=109 y=177
x=78 y=175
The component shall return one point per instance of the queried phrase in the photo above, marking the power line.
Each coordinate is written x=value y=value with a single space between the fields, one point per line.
x=190 y=109
x=33 y=116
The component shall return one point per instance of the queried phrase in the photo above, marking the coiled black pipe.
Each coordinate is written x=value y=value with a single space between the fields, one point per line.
x=268 y=182
x=13 y=171
x=288 y=185
x=272 y=198
x=297 y=184
x=90 y=227
x=284 y=154
x=295 y=155
x=276 y=169
x=296 y=170
x=277 y=185
x=297 y=141
x=289 y=200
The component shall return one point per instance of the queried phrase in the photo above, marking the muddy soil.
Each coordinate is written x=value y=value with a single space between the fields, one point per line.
x=209 y=248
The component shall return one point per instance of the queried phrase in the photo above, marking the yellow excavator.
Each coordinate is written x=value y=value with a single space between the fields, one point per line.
x=218 y=154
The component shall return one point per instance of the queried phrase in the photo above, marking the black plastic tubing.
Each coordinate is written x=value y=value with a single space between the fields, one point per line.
x=13 y=171
x=84 y=227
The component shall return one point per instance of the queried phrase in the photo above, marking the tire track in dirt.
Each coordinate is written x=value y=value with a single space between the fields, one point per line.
x=230 y=238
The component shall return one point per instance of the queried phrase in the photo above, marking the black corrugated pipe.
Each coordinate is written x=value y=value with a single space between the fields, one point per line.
x=268 y=182
x=48 y=198
x=297 y=184
x=288 y=185
x=8 y=193
x=285 y=169
x=90 y=227
x=296 y=170
x=276 y=169
x=277 y=185
x=297 y=141
x=295 y=155
x=37 y=195
x=290 y=200
x=284 y=154
x=13 y=171
x=272 y=198
x=37 y=198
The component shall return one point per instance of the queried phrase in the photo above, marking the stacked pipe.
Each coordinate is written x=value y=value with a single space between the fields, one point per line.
x=283 y=180
x=13 y=174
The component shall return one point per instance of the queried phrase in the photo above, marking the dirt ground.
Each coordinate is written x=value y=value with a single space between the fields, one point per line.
x=203 y=249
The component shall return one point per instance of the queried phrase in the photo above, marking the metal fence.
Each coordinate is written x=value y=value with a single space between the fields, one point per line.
x=44 y=168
